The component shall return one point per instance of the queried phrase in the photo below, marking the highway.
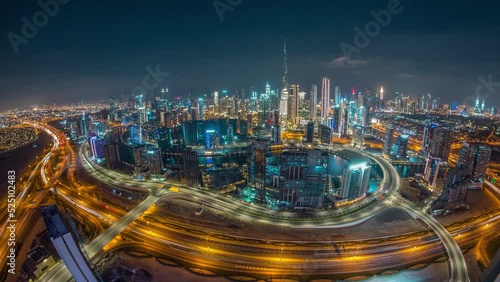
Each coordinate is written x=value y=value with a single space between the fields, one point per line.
x=256 y=257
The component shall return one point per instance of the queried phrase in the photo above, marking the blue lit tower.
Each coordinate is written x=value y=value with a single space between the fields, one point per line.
x=355 y=178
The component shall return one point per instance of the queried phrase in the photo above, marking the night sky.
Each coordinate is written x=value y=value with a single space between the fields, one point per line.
x=91 y=49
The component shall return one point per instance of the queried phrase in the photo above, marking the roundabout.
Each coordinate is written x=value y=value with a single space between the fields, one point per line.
x=245 y=250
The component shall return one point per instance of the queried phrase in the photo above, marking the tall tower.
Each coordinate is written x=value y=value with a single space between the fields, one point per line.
x=475 y=158
x=314 y=101
x=284 y=90
x=293 y=103
x=337 y=95
x=325 y=100
x=66 y=246
x=285 y=66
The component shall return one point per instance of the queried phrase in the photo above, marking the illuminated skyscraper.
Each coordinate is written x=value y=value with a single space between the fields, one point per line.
x=440 y=143
x=338 y=95
x=216 y=98
x=399 y=149
x=314 y=101
x=436 y=141
x=355 y=180
x=431 y=170
x=66 y=246
x=388 y=141
x=475 y=158
x=455 y=187
x=303 y=176
x=325 y=100
x=294 y=104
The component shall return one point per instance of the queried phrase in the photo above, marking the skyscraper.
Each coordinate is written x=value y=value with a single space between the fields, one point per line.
x=303 y=177
x=325 y=100
x=431 y=170
x=440 y=143
x=66 y=246
x=475 y=158
x=388 y=141
x=455 y=187
x=338 y=95
x=216 y=98
x=294 y=104
x=310 y=132
x=355 y=180
x=436 y=141
x=401 y=146
x=314 y=101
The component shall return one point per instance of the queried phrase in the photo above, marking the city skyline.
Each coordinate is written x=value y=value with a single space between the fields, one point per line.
x=250 y=140
x=70 y=60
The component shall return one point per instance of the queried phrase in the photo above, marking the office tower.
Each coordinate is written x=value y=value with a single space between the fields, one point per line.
x=381 y=93
x=477 y=109
x=455 y=187
x=111 y=155
x=230 y=135
x=314 y=101
x=135 y=134
x=257 y=162
x=325 y=100
x=216 y=98
x=310 y=132
x=336 y=119
x=475 y=158
x=400 y=148
x=191 y=167
x=344 y=123
x=361 y=100
x=83 y=124
x=363 y=116
x=388 y=141
x=325 y=134
x=164 y=138
x=303 y=176
x=355 y=180
x=153 y=160
x=358 y=137
x=112 y=107
x=138 y=159
x=66 y=246
x=338 y=95
x=97 y=147
x=276 y=134
x=284 y=105
x=436 y=141
x=294 y=104
x=397 y=101
x=264 y=106
x=431 y=170
x=440 y=143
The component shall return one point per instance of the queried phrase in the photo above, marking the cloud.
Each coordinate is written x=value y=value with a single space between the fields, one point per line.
x=346 y=62
x=406 y=75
